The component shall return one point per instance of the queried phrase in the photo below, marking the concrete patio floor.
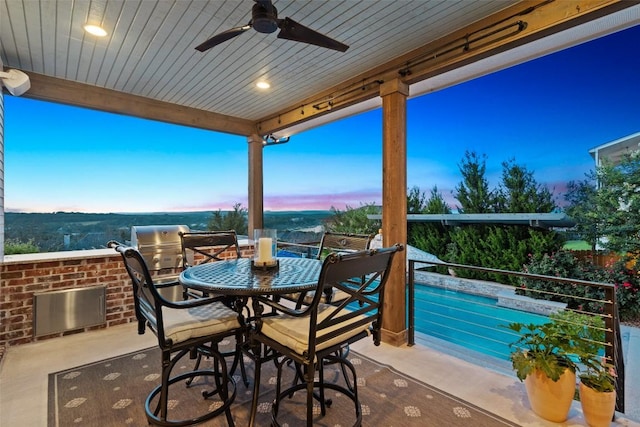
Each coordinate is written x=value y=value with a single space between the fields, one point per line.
x=24 y=372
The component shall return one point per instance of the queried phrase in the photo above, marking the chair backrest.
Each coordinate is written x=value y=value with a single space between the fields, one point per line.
x=343 y=242
x=148 y=301
x=332 y=326
x=208 y=245
x=343 y=272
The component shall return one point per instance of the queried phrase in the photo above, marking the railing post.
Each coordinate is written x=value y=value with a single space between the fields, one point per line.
x=612 y=336
x=411 y=340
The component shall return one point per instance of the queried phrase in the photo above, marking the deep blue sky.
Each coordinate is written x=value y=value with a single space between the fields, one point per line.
x=546 y=114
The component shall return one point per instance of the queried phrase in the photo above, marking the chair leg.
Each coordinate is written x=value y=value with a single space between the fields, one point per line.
x=304 y=380
x=256 y=391
x=343 y=353
x=323 y=403
x=219 y=369
x=195 y=367
x=351 y=389
x=299 y=377
x=243 y=369
x=307 y=384
x=309 y=379
x=167 y=366
x=276 y=402
x=239 y=360
x=221 y=375
x=160 y=415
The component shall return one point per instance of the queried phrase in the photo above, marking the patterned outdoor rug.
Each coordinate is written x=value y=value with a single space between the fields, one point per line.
x=112 y=393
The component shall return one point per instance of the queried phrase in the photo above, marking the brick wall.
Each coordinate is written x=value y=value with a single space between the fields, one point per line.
x=20 y=280
x=24 y=275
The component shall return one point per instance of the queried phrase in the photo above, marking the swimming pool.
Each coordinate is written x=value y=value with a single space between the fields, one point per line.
x=467 y=320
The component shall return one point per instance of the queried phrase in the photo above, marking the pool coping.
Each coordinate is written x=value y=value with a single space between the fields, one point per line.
x=504 y=294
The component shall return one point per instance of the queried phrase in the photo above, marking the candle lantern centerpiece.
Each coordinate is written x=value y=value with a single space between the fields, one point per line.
x=265 y=244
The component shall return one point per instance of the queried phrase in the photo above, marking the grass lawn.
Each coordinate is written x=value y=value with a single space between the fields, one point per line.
x=576 y=245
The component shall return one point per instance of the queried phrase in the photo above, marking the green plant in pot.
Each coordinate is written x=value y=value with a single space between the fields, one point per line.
x=601 y=378
x=597 y=375
x=597 y=391
x=543 y=358
x=547 y=356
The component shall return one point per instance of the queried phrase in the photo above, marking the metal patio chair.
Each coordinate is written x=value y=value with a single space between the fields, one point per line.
x=313 y=335
x=200 y=247
x=181 y=327
x=335 y=243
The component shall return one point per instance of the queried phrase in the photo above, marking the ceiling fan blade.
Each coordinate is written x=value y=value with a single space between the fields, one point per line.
x=291 y=30
x=222 y=37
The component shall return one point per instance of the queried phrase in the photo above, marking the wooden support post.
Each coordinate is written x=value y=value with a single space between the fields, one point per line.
x=256 y=195
x=394 y=205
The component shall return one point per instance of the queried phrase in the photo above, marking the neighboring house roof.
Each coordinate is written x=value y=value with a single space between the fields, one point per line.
x=541 y=220
x=614 y=150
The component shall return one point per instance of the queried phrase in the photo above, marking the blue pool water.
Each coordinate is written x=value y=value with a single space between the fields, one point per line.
x=468 y=320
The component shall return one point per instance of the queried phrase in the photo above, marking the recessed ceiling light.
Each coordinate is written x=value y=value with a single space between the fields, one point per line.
x=263 y=85
x=95 y=30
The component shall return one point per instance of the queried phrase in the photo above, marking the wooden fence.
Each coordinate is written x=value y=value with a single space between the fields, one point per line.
x=602 y=259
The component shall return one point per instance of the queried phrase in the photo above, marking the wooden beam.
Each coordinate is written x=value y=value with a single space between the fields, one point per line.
x=515 y=26
x=67 y=92
x=522 y=23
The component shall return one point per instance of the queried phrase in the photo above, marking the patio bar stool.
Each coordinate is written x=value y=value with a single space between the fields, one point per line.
x=313 y=334
x=181 y=327
x=201 y=247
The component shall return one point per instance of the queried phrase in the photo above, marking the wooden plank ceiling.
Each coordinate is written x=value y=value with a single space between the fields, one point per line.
x=147 y=64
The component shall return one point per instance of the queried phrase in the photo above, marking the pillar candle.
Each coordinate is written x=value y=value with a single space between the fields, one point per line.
x=264 y=249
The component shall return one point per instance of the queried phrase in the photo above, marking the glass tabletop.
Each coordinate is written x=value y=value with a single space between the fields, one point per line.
x=237 y=277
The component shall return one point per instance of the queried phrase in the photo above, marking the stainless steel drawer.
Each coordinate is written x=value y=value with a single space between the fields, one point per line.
x=69 y=309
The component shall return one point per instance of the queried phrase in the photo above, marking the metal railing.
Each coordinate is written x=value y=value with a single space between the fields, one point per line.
x=457 y=315
x=484 y=336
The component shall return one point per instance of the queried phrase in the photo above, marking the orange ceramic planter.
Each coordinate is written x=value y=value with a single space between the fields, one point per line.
x=550 y=399
x=597 y=407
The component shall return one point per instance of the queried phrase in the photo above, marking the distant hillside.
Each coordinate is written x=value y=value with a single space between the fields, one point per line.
x=62 y=231
x=295 y=220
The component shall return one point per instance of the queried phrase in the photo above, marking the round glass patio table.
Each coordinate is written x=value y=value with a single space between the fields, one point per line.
x=237 y=277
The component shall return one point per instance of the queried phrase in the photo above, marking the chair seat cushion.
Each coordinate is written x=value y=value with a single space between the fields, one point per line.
x=183 y=324
x=293 y=332
x=337 y=295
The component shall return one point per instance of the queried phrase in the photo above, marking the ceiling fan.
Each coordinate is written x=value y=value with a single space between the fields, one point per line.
x=264 y=19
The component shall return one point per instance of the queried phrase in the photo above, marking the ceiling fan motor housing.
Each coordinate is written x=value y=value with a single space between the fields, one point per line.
x=264 y=18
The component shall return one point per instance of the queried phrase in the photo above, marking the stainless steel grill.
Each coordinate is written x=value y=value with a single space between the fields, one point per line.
x=159 y=245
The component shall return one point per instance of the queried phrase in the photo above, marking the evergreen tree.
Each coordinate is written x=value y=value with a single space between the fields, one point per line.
x=233 y=220
x=430 y=237
x=436 y=203
x=581 y=196
x=496 y=245
x=519 y=191
x=416 y=201
x=473 y=192
x=354 y=220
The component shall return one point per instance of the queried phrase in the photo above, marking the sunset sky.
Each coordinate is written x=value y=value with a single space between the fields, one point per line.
x=546 y=114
